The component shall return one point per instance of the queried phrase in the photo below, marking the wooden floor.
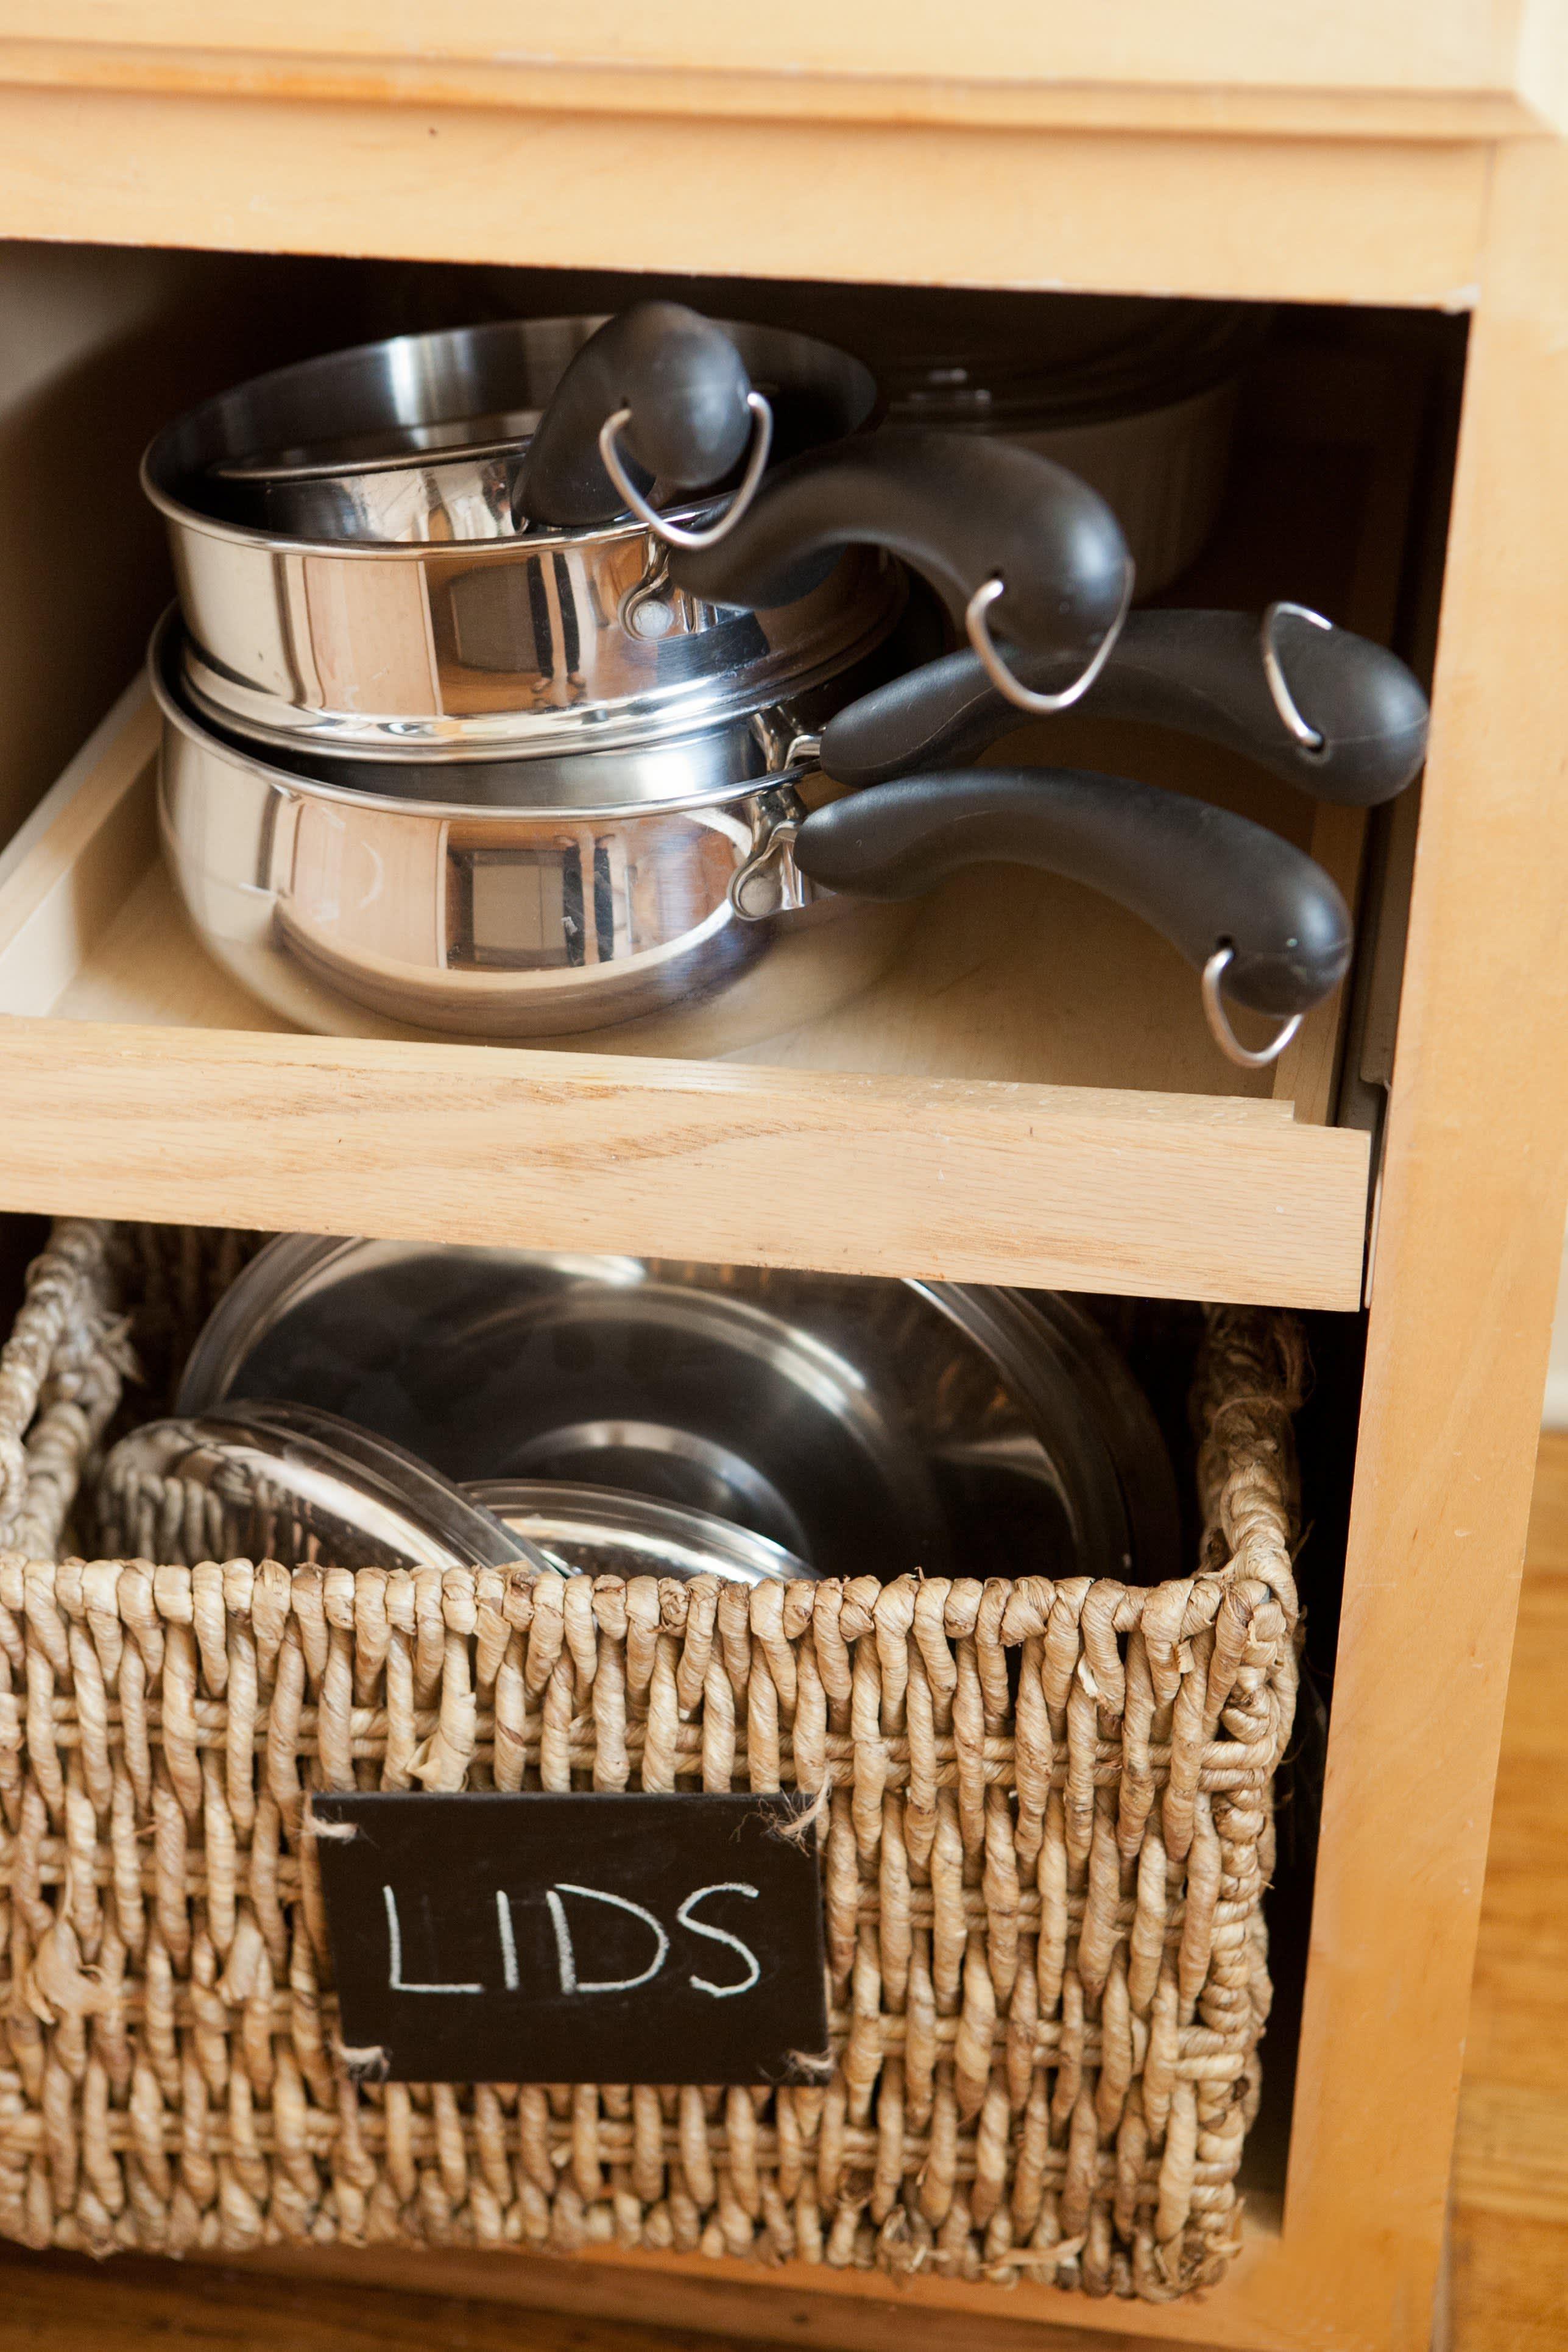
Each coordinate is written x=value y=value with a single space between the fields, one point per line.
x=1508 y=2287
x=1509 y=2273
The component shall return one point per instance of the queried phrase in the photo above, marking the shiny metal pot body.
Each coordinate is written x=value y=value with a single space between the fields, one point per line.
x=437 y=647
x=591 y=909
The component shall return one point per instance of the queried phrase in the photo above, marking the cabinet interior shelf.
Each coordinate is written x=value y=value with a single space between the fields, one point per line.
x=140 y=1081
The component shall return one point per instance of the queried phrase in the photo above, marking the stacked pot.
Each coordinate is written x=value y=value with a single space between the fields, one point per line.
x=583 y=682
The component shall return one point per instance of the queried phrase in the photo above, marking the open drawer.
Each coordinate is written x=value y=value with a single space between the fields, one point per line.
x=120 y=1019
x=1028 y=1093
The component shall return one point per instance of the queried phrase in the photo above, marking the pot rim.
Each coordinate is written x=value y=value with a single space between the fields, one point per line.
x=211 y=743
x=158 y=472
x=515 y=549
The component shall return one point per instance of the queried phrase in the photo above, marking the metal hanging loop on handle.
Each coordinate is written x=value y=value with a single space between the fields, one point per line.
x=1285 y=703
x=1002 y=677
x=672 y=533
x=1223 y=1036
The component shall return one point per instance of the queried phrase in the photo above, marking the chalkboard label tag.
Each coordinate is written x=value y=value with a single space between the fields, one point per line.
x=499 y=1936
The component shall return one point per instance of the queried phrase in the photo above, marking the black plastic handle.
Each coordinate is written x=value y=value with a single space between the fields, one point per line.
x=687 y=388
x=1199 y=875
x=1201 y=673
x=961 y=509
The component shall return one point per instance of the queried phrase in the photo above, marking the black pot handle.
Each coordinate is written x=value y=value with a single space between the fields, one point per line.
x=1208 y=880
x=966 y=511
x=683 y=413
x=1327 y=710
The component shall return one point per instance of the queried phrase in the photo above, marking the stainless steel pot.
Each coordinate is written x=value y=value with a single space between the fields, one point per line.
x=416 y=437
x=587 y=902
x=687 y=899
x=868 y=1426
x=1143 y=411
x=435 y=483
x=556 y=640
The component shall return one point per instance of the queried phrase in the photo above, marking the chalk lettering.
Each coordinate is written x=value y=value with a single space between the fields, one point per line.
x=567 y=1958
x=652 y=1937
x=508 y=1940
x=720 y=1936
x=395 y=1938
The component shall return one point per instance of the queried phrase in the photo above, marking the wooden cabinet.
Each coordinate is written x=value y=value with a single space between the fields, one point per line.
x=1330 y=156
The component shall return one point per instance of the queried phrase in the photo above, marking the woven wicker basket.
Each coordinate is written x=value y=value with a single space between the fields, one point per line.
x=1049 y=1830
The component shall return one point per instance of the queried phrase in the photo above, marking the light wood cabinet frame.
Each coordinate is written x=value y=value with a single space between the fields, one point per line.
x=1340 y=165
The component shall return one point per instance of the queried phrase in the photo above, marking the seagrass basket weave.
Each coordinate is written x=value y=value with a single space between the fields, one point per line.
x=1048 y=1828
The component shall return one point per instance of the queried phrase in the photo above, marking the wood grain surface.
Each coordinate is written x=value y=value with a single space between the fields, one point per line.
x=1509 y=2233
x=1384 y=68
x=1380 y=45
x=59 y=2303
x=1475 y=1179
x=1066 y=1187
x=547 y=176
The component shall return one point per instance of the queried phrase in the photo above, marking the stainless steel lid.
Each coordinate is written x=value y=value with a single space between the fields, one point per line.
x=597 y=1531
x=870 y=1427
x=285 y=1481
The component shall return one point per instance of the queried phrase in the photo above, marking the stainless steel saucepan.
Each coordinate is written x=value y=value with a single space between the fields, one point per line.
x=688 y=898
x=527 y=900
x=599 y=635
x=466 y=633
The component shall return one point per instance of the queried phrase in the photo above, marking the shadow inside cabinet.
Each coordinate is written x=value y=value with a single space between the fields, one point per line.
x=1160 y=1339
x=1325 y=1441
x=21 y=1239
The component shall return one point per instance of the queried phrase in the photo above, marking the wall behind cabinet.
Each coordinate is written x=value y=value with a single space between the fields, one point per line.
x=99 y=345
